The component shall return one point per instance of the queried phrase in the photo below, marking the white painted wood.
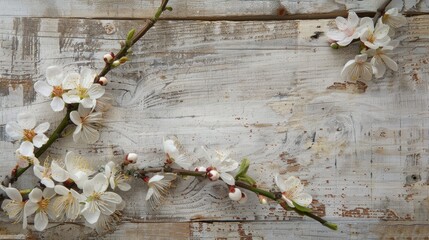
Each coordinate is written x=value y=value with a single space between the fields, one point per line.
x=264 y=90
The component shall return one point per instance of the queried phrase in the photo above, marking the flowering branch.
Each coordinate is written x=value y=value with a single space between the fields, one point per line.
x=115 y=59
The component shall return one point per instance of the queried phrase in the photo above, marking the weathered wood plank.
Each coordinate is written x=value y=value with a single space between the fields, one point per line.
x=258 y=88
x=182 y=9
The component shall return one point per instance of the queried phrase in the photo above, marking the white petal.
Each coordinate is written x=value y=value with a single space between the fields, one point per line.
x=30 y=208
x=124 y=186
x=346 y=41
x=111 y=197
x=43 y=127
x=14 y=130
x=70 y=97
x=41 y=221
x=367 y=23
x=43 y=88
x=87 y=77
x=96 y=91
x=61 y=190
x=341 y=23
x=156 y=178
x=288 y=201
x=293 y=185
x=54 y=75
x=303 y=199
x=58 y=173
x=57 y=104
x=280 y=182
x=227 y=178
x=48 y=193
x=367 y=72
x=13 y=194
x=398 y=4
x=89 y=134
x=88 y=102
x=361 y=58
x=71 y=81
x=38 y=170
x=149 y=193
x=353 y=19
x=381 y=31
x=75 y=118
x=47 y=182
x=77 y=133
x=228 y=165
x=26 y=120
x=91 y=216
x=35 y=195
x=336 y=35
x=100 y=182
x=26 y=148
x=378 y=67
x=389 y=62
x=40 y=140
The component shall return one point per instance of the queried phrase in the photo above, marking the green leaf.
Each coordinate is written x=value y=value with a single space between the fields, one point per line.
x=244 y=166
x=247 y=179
x=301 y=208
x=169 y=8
x=130 y=36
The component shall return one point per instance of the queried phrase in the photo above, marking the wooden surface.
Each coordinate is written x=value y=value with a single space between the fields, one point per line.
x=267 y=90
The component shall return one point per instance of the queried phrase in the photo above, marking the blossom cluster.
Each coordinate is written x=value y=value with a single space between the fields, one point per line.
x=65 y=193
x=376 y=42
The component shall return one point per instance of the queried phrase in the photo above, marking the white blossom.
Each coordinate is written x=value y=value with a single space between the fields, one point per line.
x=381 y=59
x=357 y=69
x=98 y=201
x=82 y=88
x=116 y=178
x=221 y=162
x=107 y=223
x=78 y=168
x=394 y=18
x=87 y=122
x=347 y=29
x=176 y=153
x=373 y=37
x=67 y=202
x=158 y=187
x=292 y=191
x=25 y=129
x=40 y=203
x=15 y=205
x=25 y=161
x=53 y=87
x=49 y=173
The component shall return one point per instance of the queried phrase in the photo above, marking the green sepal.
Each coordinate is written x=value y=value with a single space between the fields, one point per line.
x=169 y=8
x=130 y=36
x=244 y=166
x=247 y=179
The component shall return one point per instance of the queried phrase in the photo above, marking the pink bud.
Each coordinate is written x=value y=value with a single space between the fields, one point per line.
x=103 y=81
x=108 y=57
x=131 y=158
x=234 y=193
x=213 y=175
x=200 y=169
x=243 y=198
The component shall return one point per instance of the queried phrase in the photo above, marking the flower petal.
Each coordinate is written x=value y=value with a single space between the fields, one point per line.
x=13 y=193
x=149 y=193
x=43 y=88
x=77 y=133
x=75 y=118
x=14 y=130
x=71 y=81
x=35 y=195
x=227 y=178
x=41 y=221
x=43 y=127
x=61 y=190
x=100 y=182
x=89 y=135
x=58 y=173
x=389 y=62
x=353 y=19
x=91 y=216
x=303 y=199
x=156 y=178
x=88 y=102
x=40 y=140
x=124 y=186
x=26 y=148
x=70 y=97
x=111 y=197
x=54 y=75
x=87 y=77
x=30 y=208
x=26 y=120
x=378 y=67
x=341 y=23
x=57 y=104
x=96 y=91
x=47 y=182
x=48 y=193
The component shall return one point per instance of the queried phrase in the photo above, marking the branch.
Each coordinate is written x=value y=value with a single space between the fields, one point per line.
x=124 y=50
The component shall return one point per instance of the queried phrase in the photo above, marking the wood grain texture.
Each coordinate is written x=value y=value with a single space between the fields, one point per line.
x=269 y=91
x=182 y=9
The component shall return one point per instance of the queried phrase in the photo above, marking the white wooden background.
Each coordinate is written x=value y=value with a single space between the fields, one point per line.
x=267 y=88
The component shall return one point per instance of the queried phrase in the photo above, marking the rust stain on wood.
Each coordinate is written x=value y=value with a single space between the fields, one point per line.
x=354 y=87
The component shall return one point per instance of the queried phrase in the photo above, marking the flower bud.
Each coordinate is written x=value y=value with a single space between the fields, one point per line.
x=108 y=57
x=116 y=63
x=213 y=175
x=200 y=169
x=243 y=198
x=262 y=199
x=335 y=45
x=103 y=81
x=234 y=193
x=123 y=60
x=130 y=158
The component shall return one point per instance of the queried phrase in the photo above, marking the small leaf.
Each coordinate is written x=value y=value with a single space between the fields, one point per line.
x=301 y=208
x=244 y=166
x=130 y=34
x=247 y=179
x=169 y=8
